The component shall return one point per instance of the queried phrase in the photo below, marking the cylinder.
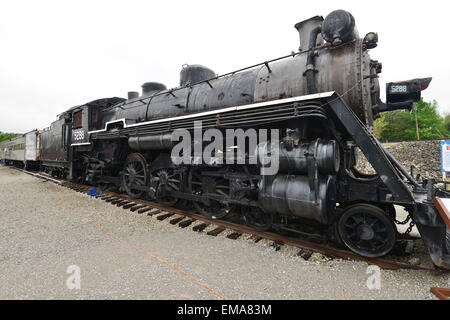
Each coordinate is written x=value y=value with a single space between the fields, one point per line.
x=292 y=195
x=153 y=142
x=295 y=161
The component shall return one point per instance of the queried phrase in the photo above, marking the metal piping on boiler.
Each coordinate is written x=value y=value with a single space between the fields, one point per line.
x=310 y=72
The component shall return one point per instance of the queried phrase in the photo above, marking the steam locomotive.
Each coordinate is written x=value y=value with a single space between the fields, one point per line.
x=321 y=101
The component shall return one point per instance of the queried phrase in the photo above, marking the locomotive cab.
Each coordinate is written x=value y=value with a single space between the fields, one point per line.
x=85 y=118
x=88 y=117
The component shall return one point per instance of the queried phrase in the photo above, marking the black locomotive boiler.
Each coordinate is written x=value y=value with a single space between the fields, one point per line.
x=322 y=100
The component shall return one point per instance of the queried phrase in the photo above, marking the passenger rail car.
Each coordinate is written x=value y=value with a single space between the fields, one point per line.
x=67 y=134
x=21 y=151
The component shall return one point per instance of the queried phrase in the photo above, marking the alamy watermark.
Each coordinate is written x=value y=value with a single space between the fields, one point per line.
x=239 y=146
x=374 y=280
x=74 y=280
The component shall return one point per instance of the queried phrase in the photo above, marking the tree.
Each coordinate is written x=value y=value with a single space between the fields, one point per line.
x=447 y=122
x=6 y=136
x=400 y=125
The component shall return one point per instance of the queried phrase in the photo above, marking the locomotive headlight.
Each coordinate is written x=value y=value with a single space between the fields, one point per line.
x=401 y=95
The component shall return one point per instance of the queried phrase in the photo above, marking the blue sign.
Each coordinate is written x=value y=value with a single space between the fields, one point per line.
x=94 y=191
x=445 y=156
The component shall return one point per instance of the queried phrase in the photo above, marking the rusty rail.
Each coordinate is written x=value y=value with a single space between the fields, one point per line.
x=153 y=208
x=302 y=244
x=441 y=293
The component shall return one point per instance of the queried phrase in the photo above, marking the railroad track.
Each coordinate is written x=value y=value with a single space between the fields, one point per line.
x=214 y=227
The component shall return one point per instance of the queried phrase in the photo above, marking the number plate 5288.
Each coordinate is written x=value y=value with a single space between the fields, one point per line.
x=78 y=135
x=399 y=88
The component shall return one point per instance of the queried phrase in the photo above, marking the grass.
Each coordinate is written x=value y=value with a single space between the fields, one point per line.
x=7 y=136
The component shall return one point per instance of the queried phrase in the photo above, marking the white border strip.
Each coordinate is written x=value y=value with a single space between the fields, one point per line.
x=236 y=108
x=80 y=144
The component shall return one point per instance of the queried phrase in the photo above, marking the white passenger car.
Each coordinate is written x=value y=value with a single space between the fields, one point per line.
x=21 y=151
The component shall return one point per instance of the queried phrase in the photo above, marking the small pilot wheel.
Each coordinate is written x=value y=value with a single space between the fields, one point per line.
x=135 y=175
x=256 y=218
x=367 y=230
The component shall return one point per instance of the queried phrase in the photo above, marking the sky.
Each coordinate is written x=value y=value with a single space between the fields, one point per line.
x=58 y=54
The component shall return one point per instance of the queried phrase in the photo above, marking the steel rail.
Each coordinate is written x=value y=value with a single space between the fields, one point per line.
x=153 y=208
x=299 y=243
x=441 y=293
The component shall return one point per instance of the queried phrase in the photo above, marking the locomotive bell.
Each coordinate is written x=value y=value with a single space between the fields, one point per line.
x=194 y=73
x=149 y=88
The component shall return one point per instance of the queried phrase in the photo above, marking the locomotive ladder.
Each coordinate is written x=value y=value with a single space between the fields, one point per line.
x=372 y=149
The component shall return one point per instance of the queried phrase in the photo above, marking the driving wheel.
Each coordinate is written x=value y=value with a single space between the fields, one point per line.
x=209 y=186
x=163 y=181
x=135 y=175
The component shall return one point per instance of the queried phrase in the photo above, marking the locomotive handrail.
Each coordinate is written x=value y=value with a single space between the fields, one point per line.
x=372 y=150
x=265 y=63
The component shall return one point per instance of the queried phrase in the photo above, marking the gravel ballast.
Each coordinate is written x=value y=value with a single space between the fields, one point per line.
x=45 y=228
x=423 y=155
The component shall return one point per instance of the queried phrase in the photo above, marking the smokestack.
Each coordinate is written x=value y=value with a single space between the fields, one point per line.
x=133 y=95
x=304 y=29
